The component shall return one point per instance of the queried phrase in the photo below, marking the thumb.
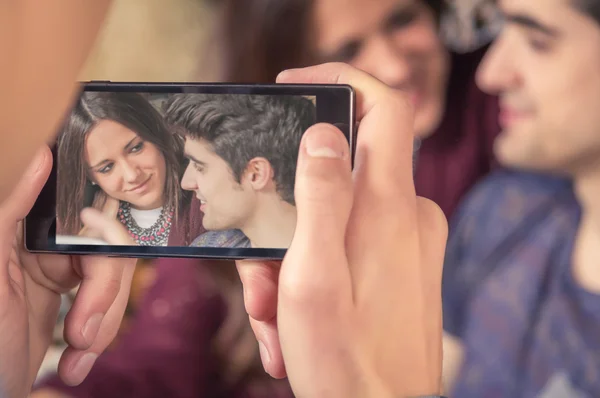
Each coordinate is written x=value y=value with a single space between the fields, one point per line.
x=19 y=203
x=315 y=265
x=315 y=285
x=323 y=189
x=108 y=228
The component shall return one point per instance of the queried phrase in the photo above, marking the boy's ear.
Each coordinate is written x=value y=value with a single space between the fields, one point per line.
x=258 y=173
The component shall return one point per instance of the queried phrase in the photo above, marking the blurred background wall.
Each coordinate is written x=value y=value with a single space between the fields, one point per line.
x=155 y=40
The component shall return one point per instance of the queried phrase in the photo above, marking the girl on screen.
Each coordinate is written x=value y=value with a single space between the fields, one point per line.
x=117 y=155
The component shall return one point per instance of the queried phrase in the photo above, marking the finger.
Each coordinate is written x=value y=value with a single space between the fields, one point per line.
x=433 y=235
x=79 y=357
x=270 y=350
x=54 y=272
x=315 y=268
x=23 y=197
x=102 y=278
x=110 y=229
x=339 y=73
x=75 y=363
x=368 y=89
x=385 y=119
x=384 y=211
x=260 y=280
x=19 y=204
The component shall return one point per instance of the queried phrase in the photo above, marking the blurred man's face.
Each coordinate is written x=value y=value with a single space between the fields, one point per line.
x=394 y=40
x=546 y=68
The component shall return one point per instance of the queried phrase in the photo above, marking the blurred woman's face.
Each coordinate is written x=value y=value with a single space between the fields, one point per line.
x=125 y=166
x=396 y=41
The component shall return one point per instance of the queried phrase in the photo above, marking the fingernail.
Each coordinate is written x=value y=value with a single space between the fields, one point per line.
x=264 y=355
x=91 y=328
x=81 y=369
x=325 y=143
x=282 y=75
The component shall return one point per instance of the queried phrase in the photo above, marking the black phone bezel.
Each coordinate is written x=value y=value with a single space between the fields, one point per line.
x=335 y=105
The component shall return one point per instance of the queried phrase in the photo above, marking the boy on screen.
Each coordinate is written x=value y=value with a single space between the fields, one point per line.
x=242 y=152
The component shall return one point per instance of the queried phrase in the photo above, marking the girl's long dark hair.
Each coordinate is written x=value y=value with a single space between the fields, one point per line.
x=261 y=38
x=130 y=110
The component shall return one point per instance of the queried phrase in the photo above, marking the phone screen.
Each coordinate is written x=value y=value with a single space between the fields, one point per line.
x=181 y=170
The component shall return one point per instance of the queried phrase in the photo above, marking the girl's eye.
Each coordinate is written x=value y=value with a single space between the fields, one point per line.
x=106 y=169
x=137 y=148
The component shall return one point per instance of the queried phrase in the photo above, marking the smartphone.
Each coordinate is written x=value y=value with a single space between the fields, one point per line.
x=181 y=170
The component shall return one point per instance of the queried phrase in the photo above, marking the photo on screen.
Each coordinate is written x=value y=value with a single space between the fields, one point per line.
x=200 y=170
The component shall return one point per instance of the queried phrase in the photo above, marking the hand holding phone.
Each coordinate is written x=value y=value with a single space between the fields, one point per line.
x=354 y=309
x=30 y=289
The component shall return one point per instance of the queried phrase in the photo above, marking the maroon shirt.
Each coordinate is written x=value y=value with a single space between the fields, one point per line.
x=188 y=225
x=168 y=353
x=460 y=152
x=168 y=349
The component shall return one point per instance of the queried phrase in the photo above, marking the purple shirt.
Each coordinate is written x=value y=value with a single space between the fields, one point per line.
x=528 y=329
